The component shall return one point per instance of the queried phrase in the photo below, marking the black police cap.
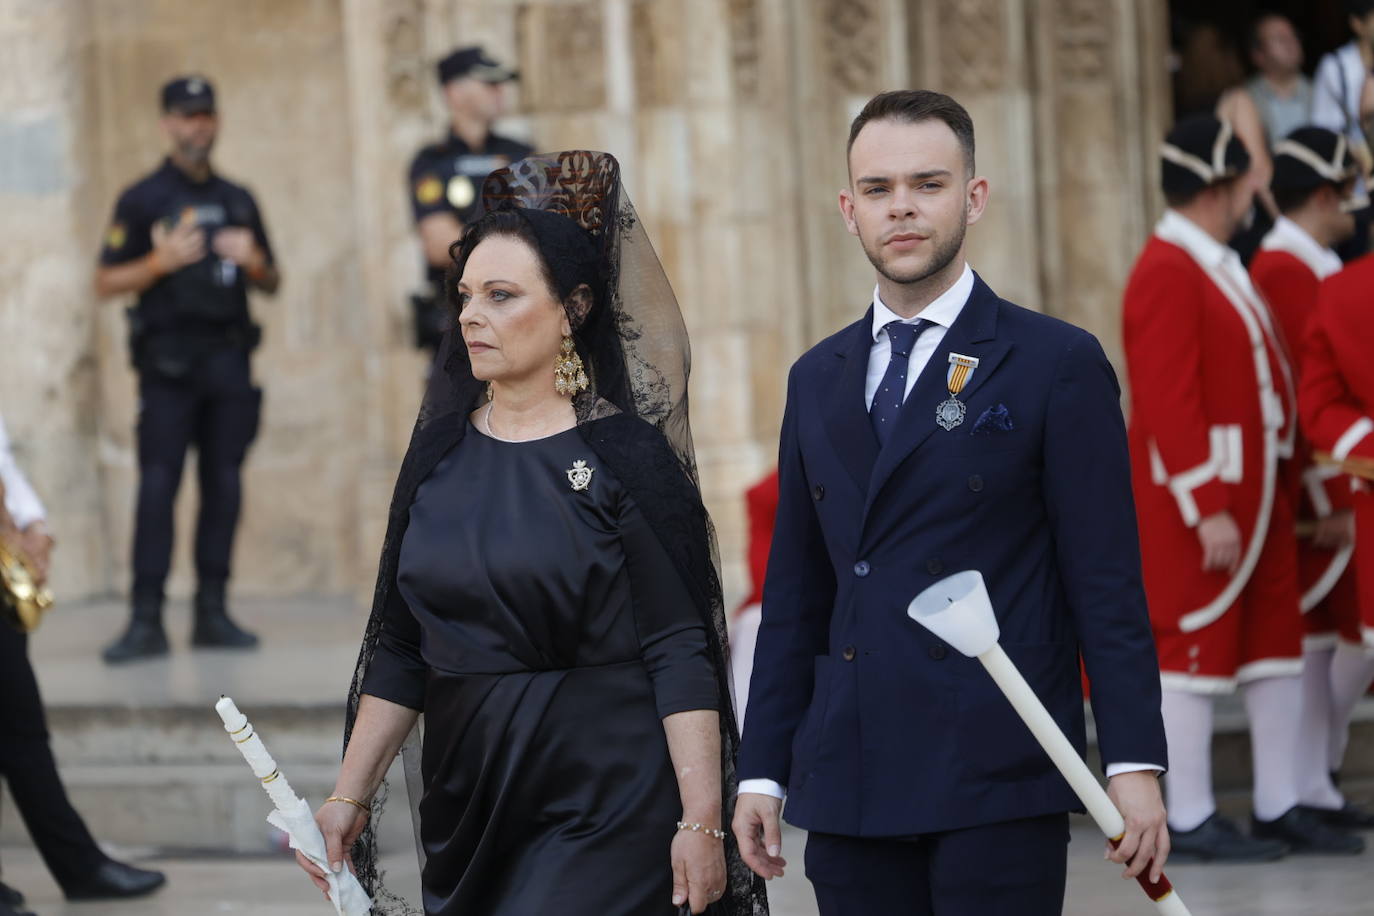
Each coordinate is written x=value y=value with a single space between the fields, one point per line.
x=188 y=95
x=1199 y=152
x=1310 y=157
x=474 y=62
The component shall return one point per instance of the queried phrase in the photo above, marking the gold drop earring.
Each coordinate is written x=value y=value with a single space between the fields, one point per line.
x=569 y=375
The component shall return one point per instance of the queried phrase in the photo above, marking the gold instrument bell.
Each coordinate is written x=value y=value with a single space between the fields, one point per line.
x=23 y=602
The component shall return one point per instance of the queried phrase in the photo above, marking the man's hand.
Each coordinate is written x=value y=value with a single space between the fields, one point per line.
x=1336 y=531
x=37 y=546
x=179 y=246
x=1146 y=841
x=758 y=830
x=237 y=244
x=1221 y=542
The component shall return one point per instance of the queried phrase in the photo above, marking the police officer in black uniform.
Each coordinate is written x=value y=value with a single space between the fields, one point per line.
x=446 y=178
x=190 y=244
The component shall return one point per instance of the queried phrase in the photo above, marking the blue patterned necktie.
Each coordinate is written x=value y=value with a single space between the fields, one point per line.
x=887 y=400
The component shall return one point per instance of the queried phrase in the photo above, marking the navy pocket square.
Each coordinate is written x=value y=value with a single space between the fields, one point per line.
x=994 y=419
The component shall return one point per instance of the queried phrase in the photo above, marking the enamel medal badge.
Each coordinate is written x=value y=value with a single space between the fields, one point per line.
x=952 y=411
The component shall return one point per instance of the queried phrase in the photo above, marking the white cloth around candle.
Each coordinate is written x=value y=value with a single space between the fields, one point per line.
x=292 y=814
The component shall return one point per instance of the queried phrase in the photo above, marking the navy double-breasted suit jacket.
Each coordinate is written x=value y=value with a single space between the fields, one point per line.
x=875 y=727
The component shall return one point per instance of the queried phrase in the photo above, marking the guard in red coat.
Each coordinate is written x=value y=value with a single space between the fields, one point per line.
x=762 y=502
x=1214 y=415
x=1314 y=185
x=1337 y=406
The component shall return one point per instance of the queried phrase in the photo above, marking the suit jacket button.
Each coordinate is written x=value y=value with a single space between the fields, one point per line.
x=861 y=568
x=848 y=653
x=934 y=566
x=938 y=652
x=818 y=492
x=975 y=483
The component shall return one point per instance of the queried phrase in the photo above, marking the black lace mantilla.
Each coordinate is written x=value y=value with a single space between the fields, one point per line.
x=635 y=419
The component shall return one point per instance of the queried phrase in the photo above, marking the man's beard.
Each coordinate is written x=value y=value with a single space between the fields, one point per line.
x=944 y=254
x=192 y=151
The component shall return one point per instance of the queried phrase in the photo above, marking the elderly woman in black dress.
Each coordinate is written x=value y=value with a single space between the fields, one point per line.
x=548 y=598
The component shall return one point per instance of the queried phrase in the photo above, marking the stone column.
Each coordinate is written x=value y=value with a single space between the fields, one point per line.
x=1101 y=110
x=50 y=222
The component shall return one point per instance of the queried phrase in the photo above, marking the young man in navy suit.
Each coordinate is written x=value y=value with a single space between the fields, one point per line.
x=945 y=430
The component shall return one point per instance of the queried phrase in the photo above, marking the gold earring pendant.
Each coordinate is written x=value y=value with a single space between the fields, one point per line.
x=569 y=375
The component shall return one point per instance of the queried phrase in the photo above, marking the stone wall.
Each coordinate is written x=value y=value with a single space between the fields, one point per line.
x=728 y=116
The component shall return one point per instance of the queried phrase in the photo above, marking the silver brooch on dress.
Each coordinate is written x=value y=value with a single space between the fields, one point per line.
x=579 y=475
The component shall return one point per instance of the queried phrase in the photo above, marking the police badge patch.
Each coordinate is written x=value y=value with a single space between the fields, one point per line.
x=461 y=192
x=116 y=237
x=428 y=190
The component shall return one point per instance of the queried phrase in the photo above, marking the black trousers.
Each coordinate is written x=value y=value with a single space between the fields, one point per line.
x=28 y=767
x=1015 y=868
x=214 y=407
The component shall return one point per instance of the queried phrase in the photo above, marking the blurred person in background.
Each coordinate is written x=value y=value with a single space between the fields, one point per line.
x=1280 y=90
x=761 y=501
x=1213 y=414
x=446 y=177
x=189 y=244
x=1341 y=101
x=1314 y=181
x=77 y=864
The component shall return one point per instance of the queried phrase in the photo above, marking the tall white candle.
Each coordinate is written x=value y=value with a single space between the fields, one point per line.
x=251 y=746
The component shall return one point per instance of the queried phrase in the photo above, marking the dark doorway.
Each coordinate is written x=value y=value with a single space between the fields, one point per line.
x=1209 y=42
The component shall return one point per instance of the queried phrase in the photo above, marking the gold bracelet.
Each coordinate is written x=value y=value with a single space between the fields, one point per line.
x=352 y=801
x=702 y=828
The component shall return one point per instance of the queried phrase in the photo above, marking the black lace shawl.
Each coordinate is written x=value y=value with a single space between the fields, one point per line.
x=634 y=419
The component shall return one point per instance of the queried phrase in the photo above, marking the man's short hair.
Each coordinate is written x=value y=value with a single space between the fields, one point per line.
x=912 y=106
x=1359 y=8
x=1176 y=199
x=1290 y=199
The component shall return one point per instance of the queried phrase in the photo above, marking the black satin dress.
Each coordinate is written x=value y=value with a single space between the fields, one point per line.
x=548 y=634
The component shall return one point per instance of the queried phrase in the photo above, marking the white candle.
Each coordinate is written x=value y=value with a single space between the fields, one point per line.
x=251 y=746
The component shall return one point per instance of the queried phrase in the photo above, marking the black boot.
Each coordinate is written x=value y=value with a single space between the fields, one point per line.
x=144 y=638
x=214 y=629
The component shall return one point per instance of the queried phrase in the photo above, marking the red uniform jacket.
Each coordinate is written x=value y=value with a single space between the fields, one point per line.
x=1212 y=414
x=1288 y=271
x=762 y=502
x=1338 y=366
x=1337 y=399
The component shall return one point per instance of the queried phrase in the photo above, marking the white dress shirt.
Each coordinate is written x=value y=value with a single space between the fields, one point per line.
x=941 y=313
x=21 y=502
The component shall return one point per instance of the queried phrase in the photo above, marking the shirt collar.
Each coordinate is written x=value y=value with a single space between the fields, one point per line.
x=942 y=310
x=1176 y=227
x=1290 y=237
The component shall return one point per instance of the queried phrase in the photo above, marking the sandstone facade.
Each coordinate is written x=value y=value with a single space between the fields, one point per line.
x=728 y=116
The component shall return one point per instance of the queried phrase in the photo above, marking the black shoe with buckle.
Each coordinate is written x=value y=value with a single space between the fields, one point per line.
x=1307 y=834
x=1218 y=839
x=1349 y=817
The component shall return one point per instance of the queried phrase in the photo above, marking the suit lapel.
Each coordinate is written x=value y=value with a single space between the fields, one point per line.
x=973 y=333
x=846 y=414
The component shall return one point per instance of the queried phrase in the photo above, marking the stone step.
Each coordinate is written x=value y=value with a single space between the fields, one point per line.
x=148 y=763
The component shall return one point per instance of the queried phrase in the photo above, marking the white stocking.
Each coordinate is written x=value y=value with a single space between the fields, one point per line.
x=1274 y=706
x=1313 y=769
x=1352 y=669
x=1188 y=729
